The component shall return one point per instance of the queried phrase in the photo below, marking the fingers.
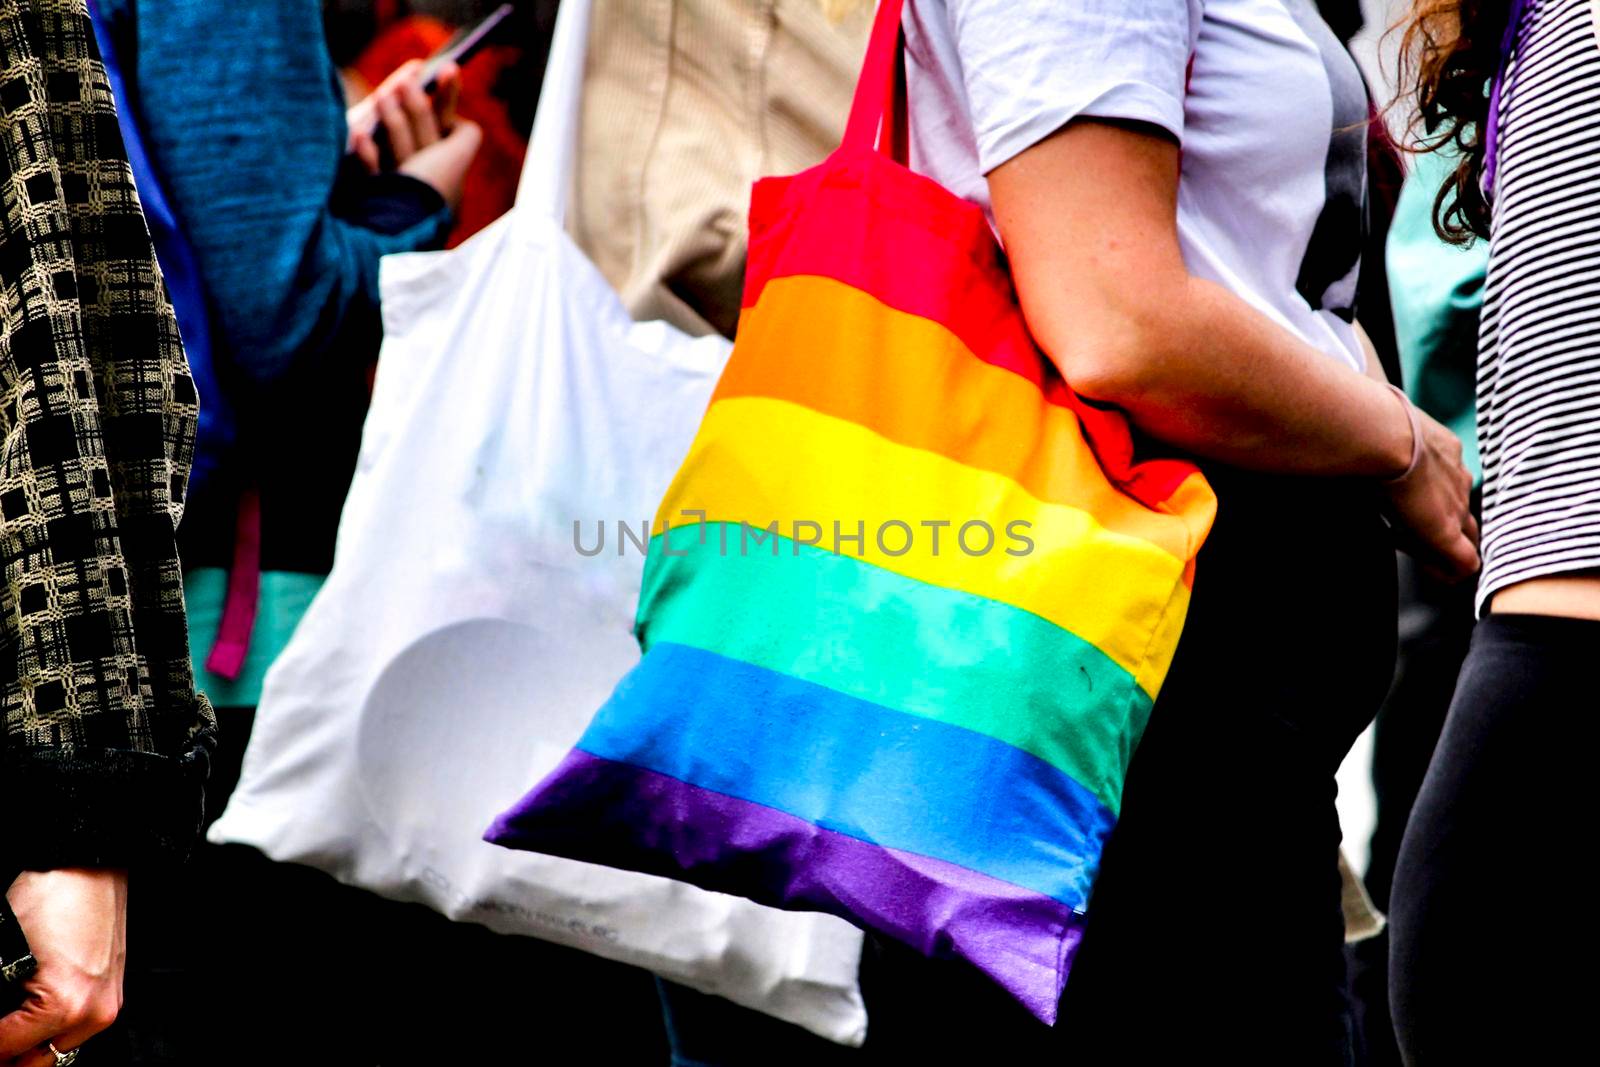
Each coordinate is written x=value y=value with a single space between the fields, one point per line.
x=41 y=1057
x=1463 y=556
x=395 y=124
x=410 y=118
x=94 y=1021
x=365 y=148
x=468 y=136
x=76 y=1037
x=409 y=71
x=1434 y=507
x=25 y=1033
x=446 y=94
x=96 y=1017
x=419 y=112
x=29 y=1027
x=362 y=117
x=1457 y=546
x=1451 y=556
x=1442 y=570
x=1439 y=531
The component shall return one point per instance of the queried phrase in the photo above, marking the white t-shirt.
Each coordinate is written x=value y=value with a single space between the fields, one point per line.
x=1272 y=197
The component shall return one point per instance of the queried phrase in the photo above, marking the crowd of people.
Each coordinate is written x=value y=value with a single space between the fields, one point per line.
x=1367 y=344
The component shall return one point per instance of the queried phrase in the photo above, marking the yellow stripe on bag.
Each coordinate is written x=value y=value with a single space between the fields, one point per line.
x=759 y=461
x=915 y=382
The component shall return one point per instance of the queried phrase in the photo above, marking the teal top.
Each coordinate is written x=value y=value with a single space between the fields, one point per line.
x=1436 y=289
x=285 y=596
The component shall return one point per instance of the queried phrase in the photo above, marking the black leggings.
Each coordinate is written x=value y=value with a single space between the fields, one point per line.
x=1490 y=938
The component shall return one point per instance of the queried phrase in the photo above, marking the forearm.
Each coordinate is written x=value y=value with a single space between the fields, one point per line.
x=1232 y=386
x=1089 y=217
x=1221 y=380
x=1089 y=220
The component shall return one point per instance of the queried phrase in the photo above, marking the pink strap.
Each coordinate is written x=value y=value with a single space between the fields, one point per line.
x=228 y=651
x=875 y=92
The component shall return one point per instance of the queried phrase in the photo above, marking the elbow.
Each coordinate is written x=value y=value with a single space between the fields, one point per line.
x=1100 y=370
x=1113 y=358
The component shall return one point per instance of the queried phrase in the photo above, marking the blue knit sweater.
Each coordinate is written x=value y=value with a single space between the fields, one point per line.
x=244 y=119
x=240 y=109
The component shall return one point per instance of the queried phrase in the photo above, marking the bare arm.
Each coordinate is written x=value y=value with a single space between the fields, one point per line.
x=1089 y=221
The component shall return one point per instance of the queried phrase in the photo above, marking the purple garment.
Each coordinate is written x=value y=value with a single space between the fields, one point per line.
x=1491 y=132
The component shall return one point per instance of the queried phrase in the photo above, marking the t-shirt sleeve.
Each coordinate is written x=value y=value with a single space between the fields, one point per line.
x=1032 y=66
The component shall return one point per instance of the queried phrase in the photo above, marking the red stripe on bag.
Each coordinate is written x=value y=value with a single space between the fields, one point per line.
x=870 y=211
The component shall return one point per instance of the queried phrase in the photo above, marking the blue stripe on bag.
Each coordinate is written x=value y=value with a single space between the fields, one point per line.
x=855 y=768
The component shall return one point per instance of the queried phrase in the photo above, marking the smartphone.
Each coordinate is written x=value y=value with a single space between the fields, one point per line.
x=460 y=48
x=463 y=46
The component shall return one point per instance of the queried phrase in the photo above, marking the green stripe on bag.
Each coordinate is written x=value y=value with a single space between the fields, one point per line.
x=845 y=624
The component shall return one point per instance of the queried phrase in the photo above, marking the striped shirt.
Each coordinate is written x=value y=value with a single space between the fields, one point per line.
x=1539 y=350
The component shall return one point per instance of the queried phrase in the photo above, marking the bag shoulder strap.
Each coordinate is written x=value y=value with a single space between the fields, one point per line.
x=547 y=172
x=876 y=88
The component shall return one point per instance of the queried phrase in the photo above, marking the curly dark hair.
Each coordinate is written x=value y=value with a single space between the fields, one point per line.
x=1449 y=54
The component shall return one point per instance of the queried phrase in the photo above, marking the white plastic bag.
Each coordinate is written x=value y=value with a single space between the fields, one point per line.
x=462 y=642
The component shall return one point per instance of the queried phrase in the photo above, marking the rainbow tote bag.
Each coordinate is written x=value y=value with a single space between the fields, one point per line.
x=907 y=602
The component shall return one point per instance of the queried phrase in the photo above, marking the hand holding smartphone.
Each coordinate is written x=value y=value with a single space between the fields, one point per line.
x=406 y=113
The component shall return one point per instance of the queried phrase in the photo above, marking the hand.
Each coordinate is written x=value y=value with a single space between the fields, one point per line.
x=444 y=163
x=76 y=923
x=410 y=119
x=1433 y=505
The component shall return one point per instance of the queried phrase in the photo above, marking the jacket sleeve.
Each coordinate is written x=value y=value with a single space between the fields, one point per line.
x=247 y=126
x=106 y=744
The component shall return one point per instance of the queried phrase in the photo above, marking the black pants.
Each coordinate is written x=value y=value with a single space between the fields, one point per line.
x=1215 y=933
x=1490 y=910
x=236 y=961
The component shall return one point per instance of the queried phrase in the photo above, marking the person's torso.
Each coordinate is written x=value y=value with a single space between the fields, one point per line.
x=685 y=104
x=1271 y=202
x=1539 y=346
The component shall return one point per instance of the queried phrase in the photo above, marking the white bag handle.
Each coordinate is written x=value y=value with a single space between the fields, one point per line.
x=547 y=172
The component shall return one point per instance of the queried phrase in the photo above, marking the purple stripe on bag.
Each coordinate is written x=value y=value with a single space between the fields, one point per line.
x=1012 y=934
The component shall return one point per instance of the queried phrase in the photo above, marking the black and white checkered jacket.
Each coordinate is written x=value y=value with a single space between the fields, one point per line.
x=105 y=746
